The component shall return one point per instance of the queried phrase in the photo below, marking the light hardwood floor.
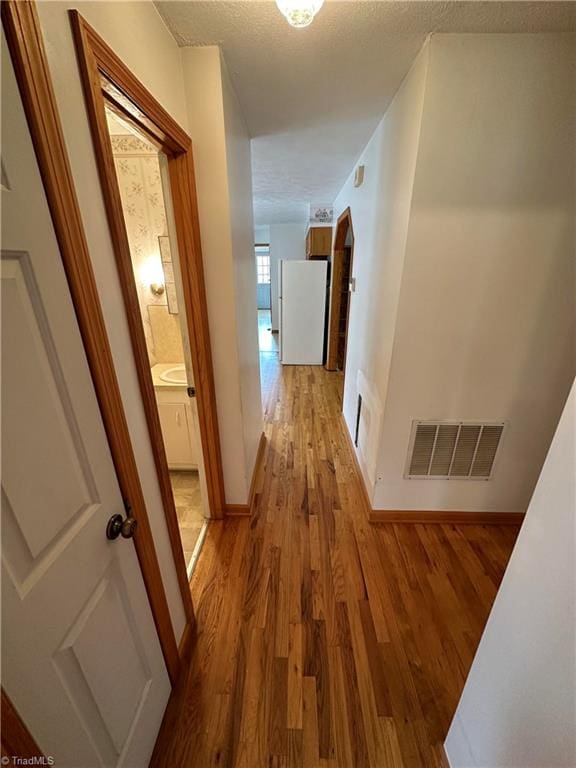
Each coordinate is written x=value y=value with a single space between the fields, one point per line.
x=324 y=640
x=267 y=341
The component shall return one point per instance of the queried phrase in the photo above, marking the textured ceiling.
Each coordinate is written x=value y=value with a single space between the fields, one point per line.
x=312 y=97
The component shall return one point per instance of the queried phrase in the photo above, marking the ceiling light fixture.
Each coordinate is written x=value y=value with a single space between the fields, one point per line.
x=299 y=13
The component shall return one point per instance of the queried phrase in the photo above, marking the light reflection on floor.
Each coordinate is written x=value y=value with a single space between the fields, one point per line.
x=267 y=341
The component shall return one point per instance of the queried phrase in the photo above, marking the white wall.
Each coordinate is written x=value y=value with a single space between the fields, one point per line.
x=221 y=157
x=380 y=210
x=261 y=233
x=242 y=236
x=485 y=326
x=133 y=30
x=287 y=241
x=518 y=707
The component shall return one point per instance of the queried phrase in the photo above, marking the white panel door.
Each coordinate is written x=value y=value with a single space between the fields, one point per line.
x=81 y=659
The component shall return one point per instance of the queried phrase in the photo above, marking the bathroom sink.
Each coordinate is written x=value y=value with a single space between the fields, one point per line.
x=175 y=375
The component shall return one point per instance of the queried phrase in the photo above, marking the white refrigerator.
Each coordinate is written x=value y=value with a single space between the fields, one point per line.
x=302 y=311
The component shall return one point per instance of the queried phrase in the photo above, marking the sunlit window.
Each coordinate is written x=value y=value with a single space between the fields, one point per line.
x=262 y=263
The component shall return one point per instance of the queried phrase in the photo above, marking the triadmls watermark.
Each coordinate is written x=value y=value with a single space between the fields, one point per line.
x=36 y=760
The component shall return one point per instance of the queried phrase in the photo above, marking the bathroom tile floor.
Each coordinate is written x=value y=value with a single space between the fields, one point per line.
x=186 y=489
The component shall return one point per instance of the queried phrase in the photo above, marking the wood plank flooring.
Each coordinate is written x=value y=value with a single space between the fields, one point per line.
x=325 y=641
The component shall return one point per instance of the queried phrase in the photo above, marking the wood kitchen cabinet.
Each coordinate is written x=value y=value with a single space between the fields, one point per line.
x=319 y=243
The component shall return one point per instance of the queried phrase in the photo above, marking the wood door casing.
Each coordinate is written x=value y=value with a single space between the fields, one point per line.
x=16 y=738
x=108 y=83
x=342 y=264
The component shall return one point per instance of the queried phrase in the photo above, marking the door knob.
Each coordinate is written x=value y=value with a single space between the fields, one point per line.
x=121 y=526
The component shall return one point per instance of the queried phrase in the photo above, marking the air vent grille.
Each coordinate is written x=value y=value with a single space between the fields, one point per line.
x=460 y=450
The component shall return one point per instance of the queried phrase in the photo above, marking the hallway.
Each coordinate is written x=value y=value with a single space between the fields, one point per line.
x=324 y=640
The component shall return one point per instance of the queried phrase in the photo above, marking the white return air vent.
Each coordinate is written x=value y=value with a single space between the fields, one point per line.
x=453 y=449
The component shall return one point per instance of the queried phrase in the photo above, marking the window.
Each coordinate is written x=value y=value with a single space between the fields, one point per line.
x=263 y=263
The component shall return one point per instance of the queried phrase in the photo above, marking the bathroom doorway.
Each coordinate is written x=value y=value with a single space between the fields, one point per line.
x=143 y=184
x=110 y=85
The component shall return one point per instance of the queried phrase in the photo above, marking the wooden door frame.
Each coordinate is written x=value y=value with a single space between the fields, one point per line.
x=343 y=226
x=24 y=37
x=16 y=738
x=108 y=82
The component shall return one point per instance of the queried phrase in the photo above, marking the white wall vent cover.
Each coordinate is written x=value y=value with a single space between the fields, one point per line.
x=453 y=449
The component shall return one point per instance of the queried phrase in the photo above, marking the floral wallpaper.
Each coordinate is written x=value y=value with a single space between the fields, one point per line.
x=138 y=172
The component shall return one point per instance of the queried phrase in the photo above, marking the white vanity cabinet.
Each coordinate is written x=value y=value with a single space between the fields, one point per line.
x=176 y=421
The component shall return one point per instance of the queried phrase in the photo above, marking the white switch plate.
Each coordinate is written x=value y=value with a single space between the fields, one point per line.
x=359 y=176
